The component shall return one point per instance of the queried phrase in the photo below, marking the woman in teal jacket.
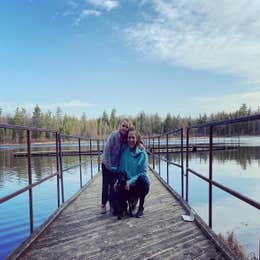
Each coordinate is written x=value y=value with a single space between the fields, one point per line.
x=134 y=162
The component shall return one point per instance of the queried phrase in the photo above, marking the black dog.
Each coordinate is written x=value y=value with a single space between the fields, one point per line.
x=120 y=195
x=123 y=198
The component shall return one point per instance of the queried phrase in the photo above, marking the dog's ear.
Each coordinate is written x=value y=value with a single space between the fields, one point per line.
x=119 y=175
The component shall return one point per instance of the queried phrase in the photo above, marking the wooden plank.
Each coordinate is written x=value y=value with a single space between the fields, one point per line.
x=81 y=232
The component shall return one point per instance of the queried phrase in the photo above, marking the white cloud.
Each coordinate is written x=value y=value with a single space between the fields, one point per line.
x=72 y=4
x=228 y=103
x=104 y=4
x=86 y=12
x=221 y=36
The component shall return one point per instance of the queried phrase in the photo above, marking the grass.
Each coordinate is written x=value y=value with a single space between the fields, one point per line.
x=236 y=248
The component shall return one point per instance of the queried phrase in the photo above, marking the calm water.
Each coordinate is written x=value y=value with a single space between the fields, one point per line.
x=14 y=214
x=237 y=169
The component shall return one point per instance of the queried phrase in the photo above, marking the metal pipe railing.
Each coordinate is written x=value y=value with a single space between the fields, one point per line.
x=210 y=181
x=211 y=126
x=162 y=141
x=210 y=173
x=59 y=165
x=210 y=144
x=30 y=178
x=228 y=190
x=80 y=169
x=187 y=166
x=57 y=168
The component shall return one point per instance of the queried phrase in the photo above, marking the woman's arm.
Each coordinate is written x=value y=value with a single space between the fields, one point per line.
x=141 y=168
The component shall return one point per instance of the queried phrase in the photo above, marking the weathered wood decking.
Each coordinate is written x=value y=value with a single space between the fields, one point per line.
x=81 y=232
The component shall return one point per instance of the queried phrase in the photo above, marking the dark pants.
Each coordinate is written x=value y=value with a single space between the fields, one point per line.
x=108 y=181
x=140 y=190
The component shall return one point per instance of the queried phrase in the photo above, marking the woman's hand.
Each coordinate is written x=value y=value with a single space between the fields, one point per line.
x=141 y=146
x=115 y=185
x=127 y=186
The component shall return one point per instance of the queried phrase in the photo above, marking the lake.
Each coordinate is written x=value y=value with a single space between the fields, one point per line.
x=14 y=214
x=238 y=169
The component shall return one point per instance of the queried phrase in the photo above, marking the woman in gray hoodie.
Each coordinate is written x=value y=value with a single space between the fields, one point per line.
x=115 y=144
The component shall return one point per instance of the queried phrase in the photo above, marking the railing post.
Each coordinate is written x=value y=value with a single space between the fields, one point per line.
x=167 y=157
x=98 y=148
x=80 y=169
x=57 y=168
x=91 y=164
x=187 y=165
x=182 y=170
x=159 y=154
x=61 y=171
x=153 y=154
x=210 y=173
x=30 y=179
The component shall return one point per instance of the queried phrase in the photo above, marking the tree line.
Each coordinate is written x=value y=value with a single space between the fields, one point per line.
x=100 y=127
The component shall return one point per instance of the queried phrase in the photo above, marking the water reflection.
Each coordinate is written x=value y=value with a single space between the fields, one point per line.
x=237 y=169
x=243 y=156
x=14 y=228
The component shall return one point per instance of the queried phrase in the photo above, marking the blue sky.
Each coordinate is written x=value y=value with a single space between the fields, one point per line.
x=158 y=56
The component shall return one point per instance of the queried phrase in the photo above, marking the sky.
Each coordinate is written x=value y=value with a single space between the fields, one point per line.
x=183 y=57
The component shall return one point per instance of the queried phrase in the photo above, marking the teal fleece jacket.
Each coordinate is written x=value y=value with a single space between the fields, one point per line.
x=135 y=164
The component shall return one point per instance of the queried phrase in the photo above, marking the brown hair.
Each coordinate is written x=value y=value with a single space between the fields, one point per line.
x=137 y=134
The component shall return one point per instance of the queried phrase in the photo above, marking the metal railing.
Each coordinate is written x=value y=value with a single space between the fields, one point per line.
x=210 y=126
x=170 y=142
x=155 y=148
x=57 y=138
x=159 y=147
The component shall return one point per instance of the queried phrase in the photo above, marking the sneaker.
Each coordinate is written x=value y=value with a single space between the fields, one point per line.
x=103 y=209
x=134 y=203
x=139 y=213
x=132 y=206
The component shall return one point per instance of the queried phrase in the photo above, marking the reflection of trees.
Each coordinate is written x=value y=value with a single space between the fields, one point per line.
x=12 y=165
x=242 y=156
x=43 y=166
x=3 y=159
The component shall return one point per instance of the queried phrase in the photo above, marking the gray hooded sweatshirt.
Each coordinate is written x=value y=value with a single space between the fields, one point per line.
x=113 y=150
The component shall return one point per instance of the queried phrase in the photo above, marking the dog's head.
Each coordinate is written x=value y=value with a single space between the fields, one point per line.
x=122 y=178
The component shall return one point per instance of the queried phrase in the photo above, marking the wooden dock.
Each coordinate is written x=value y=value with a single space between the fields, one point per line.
x=162 y=150
x=53 y=153
x=79 y=231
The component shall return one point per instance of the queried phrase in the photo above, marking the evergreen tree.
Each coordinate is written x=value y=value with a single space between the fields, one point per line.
x=58 y=118
x=140 y=122
x=18 y=119
x=83 y=125
x=167 y=124
x=113 y=120
x=37 y=117
x=37 y=121
x=105 y=124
